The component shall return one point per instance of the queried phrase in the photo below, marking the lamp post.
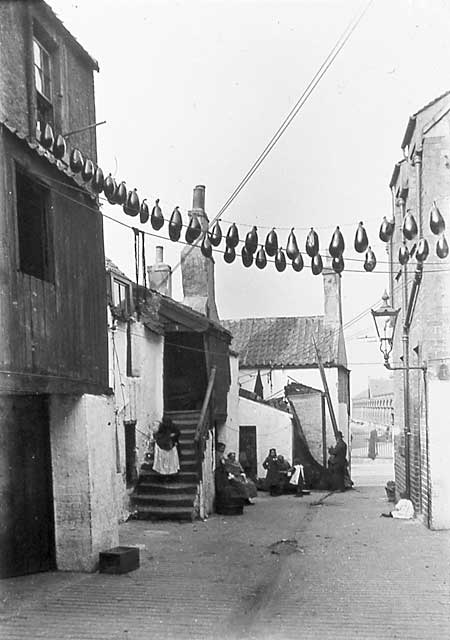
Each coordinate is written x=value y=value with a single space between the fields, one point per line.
x=385 y=318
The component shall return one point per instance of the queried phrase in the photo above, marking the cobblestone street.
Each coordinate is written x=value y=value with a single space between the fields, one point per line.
x=350 y=574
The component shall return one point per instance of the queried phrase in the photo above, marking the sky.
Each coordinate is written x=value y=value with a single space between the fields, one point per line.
x=193 y=90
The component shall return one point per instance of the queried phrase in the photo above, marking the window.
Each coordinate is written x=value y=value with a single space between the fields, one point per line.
x=42 y=81
x=120 y=295
x=32 y=223
x=42 y=70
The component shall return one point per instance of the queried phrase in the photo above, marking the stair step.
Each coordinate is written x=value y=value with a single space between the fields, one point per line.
x=187 y=433
x=165 y=513
x=149 y=486
x=163 y=500
x=183 y=414
x=182 y=476
x=185 y=465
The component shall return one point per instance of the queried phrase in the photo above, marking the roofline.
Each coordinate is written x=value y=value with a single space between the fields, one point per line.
x=273 y=318
x=42 y=152
x=290 y=367
x=264 y=403
x=409 y=131
x=80 y=49
x=395 y=173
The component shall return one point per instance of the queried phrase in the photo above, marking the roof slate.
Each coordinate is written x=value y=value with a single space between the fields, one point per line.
x=61 y=165
x=284 y=342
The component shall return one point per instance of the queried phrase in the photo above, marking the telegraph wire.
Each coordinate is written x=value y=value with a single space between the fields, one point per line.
x=342 y=40
x=337 y=48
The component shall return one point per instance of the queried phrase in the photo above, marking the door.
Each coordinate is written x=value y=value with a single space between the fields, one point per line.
x=26 y=497
x=247 y=451
x=130 y=452
x=185 y=376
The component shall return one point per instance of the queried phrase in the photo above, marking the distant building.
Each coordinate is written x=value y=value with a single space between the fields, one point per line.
x=423 y=329
x=277 y=354
x=375 y=405
x=166 y=357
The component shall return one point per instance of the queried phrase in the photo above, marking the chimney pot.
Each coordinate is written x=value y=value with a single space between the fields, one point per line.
x=159 y=255
x=198 y=201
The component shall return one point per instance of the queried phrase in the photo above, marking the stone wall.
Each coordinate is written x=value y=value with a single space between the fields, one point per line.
x=137 y=398
x=82 y=445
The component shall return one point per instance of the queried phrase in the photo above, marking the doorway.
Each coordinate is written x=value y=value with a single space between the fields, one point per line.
x=27 y=536
x=185 y=377
x=247 y=451
x=130 y=452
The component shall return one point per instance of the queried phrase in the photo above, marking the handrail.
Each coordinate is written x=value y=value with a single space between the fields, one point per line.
x=201 y=421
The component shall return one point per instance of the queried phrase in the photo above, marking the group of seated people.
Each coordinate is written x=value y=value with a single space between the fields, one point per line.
x=233 y=488
x=282 y=477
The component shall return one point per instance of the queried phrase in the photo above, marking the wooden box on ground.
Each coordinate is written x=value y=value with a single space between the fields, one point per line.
x=119 y=560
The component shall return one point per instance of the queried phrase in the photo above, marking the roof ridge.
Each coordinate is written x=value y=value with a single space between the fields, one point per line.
x=318 y=315
x=432 y=102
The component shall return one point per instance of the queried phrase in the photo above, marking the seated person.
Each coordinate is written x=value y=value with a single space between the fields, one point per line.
x=404 y=509
x=283 y=468
x=229 y=493
x=297 y=478
x=234 y=468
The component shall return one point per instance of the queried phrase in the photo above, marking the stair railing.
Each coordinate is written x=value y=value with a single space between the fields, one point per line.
x=203 y=422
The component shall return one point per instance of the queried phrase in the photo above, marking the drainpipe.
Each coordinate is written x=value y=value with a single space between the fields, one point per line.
x=405 y=350
x=418 y=278
x=409 y=304
x=427 y=449
x=391 y=252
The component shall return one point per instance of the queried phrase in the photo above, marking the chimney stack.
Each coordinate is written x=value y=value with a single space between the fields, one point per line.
x=332 y=294
x=197 y=271
x=160 y=274
x=198 y=201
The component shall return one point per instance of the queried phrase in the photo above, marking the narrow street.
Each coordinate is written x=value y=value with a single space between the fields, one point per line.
x=325 y=566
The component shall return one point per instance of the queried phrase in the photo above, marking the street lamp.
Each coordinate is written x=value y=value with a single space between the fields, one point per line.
x=385 y=319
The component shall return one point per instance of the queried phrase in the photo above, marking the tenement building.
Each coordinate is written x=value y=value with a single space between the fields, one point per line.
x=420 y=288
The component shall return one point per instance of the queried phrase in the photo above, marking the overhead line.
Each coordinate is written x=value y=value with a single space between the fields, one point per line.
x=337 y=48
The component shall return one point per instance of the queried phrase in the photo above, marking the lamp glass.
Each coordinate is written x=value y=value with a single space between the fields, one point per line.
x=385 y=319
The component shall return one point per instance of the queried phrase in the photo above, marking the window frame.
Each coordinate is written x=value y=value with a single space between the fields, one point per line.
x=41 y=71
x=45 y=271
x=46 y=109
x=121 y=284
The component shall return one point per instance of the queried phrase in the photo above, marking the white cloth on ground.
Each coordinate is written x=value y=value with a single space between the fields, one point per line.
x=298 y=471
x=404 y=509
x=166 y=462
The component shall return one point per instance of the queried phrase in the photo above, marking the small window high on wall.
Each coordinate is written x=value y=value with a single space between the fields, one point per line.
x=121 y=295
x=43 y=84
x=35 y=255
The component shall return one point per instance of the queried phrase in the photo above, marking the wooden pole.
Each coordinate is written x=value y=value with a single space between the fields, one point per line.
x=326 y=389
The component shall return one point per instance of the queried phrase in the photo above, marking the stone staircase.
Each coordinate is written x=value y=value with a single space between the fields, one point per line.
x=158 y=497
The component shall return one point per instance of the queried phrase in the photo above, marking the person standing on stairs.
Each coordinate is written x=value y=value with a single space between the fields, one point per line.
x=166 y=460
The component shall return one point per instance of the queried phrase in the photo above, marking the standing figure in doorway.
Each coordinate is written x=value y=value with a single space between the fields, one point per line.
x=373 y=444
x=166 y=460
x=338 y=463
x=272 y=482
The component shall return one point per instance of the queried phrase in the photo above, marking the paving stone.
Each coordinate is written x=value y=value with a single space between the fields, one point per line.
x=358 y=576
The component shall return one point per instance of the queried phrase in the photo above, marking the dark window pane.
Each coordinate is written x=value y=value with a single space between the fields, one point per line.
x=32 y=203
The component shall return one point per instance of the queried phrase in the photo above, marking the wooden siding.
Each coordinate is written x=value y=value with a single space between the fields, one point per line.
x=53 y=335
